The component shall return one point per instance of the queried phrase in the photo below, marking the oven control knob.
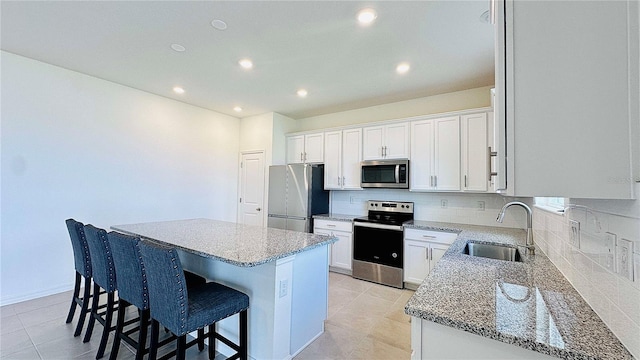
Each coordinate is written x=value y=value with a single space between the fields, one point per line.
x=394 y=255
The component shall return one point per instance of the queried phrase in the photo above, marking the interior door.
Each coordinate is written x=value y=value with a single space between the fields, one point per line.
x=251 y=209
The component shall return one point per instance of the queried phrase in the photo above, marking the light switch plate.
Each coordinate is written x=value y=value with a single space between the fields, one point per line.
x=624 y=255
x=610 y=240
x=574 y=236
x=444 y=203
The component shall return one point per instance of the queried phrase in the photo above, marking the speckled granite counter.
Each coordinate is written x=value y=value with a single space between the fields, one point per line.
x=528 y=304
x=336 y=217
x=237 y=244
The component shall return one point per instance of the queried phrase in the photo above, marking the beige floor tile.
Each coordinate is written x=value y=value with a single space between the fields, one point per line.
x=357 y=321
x=384 y=292
x=396 y=313
x=335 y=278
x=371 y=349
x=53 y=330
x=70 y=347
x=354 y=284
x=26 y=353
x=44 y=302
x=370 y=305
x=392 y=333
x=7 y=310
x=334 y=343
x=14 y=341
x=40 y=315
x=10 y=324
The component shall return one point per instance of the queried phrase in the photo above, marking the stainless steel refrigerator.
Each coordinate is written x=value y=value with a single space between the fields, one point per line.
x=296 y=193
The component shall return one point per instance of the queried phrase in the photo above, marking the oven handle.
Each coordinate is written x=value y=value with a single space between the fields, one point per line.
x=378 y=226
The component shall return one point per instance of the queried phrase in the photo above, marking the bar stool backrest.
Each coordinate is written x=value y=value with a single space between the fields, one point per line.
x=167 y=286
x=130 y=270
x=80 y=247
x=101 y=258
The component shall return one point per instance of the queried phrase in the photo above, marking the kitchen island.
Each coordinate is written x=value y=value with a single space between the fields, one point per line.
x=529 y=307
x=284 y=273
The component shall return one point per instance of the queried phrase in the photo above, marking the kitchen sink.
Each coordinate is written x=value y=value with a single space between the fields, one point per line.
x=492 y=251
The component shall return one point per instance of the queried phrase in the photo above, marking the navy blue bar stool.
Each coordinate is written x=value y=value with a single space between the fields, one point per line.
x=82 y=261
x=183 y=310
x=104 y=276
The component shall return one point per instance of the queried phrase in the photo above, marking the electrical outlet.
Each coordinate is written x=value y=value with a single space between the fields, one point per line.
x=284 y=288
x=481 y=205
x=610 y=240
x=574 y=237
x=624 y=254
x=444 y=203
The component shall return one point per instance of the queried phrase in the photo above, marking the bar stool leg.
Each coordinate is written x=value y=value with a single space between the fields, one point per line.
x=212 y=341
x=153 y=346
x=142 y=335
x=122 y=309
x=180 y=351
x=200 y=339
x=107 y=325
x=243 y=335
x=76 y=294
x=94 y=313
x=85 y=306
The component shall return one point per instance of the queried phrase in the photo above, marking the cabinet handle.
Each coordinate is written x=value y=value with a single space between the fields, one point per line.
x=338 y=180
x=385 y=151
x=465 y=181
x=435 y=181
x=426 y=253
x=301 y=157
x=431 y=181
x=491 y=154
x=305 y=156
x=492 y=11
x=330 y=225
x=430 y=254
x=429 y=236
x=343 y=181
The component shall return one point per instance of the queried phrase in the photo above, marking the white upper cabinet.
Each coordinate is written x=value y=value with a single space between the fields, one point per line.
x=567 y=97
x=305 y=148
x=343 y=153
x=435 y=154
x=386 y=141
x=475 y=152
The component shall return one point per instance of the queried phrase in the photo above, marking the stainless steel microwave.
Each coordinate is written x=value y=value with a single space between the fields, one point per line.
x=385 y=174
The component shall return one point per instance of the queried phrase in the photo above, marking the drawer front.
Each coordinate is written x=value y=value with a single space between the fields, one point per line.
x=346 y=226
x=431 y=236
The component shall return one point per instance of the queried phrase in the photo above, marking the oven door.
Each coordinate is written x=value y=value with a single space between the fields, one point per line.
x=378 y=243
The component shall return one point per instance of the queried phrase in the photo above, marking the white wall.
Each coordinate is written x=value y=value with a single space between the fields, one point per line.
x=615 y=299
x=460 y=100
x=77 y=146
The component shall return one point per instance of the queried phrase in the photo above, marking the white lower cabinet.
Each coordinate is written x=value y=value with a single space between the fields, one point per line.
x=434 y=341
x=340 y=252
x=422 y=250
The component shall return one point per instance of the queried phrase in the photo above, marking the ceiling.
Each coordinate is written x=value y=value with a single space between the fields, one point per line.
x=315 y=45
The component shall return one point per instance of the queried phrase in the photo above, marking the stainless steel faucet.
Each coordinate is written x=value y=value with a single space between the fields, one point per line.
x=529 y=242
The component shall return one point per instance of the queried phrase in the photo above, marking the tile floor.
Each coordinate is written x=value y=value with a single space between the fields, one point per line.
x=366 y=321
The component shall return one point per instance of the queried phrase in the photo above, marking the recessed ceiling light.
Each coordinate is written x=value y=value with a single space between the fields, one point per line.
x=302 y=93
x=366 y=16
x=402 y=68
x=237 y=109
x=178 y=90
x=246 y=63
x=178 y=47
x=219 y=24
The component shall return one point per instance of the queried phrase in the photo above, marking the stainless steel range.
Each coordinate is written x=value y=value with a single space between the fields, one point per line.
x=378 y=242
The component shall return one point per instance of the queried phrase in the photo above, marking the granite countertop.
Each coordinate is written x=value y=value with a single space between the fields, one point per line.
x=237 y=244
x=336 y=217
x=528 y=304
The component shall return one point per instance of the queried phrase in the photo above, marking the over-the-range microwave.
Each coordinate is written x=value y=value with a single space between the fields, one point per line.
x=385 y=174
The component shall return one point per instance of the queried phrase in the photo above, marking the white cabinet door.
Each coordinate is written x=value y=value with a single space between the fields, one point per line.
x=475 y=154
x=341 y=253
x=571 y=138
x=314 y=148
x=421 y=166
x=327 y=233
x=396 y=141
x=437 y=251
x=447 y=154
x=372 y=142
x=351 y=158
x=332 y=160
x=416 y=261
x=295 y=149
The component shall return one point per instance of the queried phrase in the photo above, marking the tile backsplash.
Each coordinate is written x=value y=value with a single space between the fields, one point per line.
x=465 y=208
x=589 y=262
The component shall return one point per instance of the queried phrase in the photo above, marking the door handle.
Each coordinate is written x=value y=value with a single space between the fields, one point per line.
x=258 y=209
